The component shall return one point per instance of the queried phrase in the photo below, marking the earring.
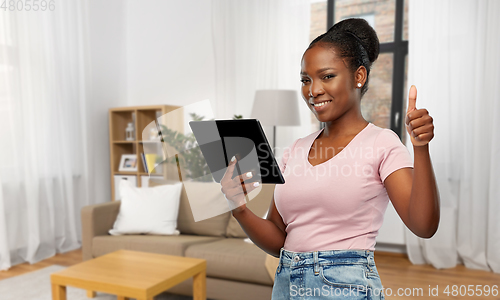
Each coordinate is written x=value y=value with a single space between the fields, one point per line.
x=359 y=84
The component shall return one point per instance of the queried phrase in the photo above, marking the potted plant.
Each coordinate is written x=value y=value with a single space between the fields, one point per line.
x=192 y=160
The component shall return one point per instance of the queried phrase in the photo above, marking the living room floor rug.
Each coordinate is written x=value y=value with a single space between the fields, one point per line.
x=36 y=286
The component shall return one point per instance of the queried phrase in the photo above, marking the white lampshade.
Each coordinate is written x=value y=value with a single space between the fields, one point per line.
x=276 y=108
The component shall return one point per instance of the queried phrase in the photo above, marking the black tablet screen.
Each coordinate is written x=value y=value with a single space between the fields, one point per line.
x=220 y=140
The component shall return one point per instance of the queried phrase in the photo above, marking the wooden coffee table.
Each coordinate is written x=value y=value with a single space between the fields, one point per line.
x=131 y=274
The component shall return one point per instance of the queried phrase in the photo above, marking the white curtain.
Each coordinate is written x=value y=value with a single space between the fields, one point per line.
x=258 y=44
x=43 y=174
x=454 y=48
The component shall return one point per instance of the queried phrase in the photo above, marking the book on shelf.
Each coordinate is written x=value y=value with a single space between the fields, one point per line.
x=144 y=163
x=150 y=161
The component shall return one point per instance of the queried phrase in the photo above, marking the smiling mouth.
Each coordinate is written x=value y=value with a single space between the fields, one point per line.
x=321 y=103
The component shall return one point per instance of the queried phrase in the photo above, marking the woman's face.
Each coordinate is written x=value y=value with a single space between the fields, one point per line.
x=328 y=82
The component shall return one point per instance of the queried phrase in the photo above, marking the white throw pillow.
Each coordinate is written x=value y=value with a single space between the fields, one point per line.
x=148 y=210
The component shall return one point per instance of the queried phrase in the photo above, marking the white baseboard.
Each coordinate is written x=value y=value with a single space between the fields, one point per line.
x=395 y=248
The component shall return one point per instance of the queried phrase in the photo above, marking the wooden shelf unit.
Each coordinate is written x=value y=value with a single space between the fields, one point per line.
x=118 y=119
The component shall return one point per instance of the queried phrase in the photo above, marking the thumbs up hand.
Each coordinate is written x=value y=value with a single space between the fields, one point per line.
x=418 y=122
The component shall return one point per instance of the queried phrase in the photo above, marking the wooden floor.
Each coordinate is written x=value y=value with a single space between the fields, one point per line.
x=67 y=259
x=400 y=276
x=396 y=271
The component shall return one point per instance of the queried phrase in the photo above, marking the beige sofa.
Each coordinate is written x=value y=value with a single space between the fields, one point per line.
x=235 y=269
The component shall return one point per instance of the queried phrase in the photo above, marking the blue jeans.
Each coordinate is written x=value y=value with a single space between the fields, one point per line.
x=333 y=274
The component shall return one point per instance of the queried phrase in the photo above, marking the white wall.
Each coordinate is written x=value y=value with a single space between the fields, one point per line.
x=107 y=84
x=144 y=53
x=170 y=56
x=391 y=236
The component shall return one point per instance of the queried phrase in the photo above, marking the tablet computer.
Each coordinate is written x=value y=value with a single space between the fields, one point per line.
x=220 y=140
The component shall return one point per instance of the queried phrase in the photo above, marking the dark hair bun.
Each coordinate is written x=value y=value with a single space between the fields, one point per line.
x=363 y=31
x=355 y=41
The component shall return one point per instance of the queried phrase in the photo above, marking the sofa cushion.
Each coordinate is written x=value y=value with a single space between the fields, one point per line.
x=172 y=245
x=233 y=259
x=148 y=210
x=258 y=205
x=215 y=226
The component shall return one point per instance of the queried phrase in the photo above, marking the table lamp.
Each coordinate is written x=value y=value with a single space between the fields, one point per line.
x=276 y=108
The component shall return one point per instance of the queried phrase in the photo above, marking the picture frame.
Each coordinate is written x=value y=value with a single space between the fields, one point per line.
x=128 y=163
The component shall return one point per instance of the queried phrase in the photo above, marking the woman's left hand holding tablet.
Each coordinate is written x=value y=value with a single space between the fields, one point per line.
x=235 y=189
x=419 y=124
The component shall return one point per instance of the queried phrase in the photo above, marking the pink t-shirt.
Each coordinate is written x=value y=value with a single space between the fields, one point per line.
x=340 y=203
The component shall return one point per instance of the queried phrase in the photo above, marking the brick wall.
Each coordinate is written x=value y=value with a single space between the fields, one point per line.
x=318 y=19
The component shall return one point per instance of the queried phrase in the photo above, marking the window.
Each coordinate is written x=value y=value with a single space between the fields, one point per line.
x=384 y=104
